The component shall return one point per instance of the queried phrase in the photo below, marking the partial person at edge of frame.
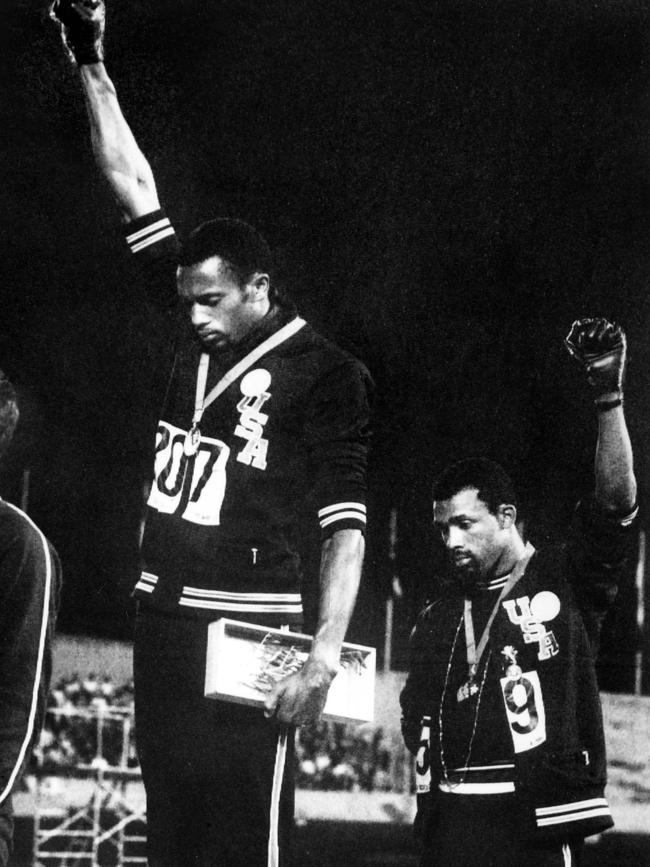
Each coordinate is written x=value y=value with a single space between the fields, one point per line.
x=30 y=581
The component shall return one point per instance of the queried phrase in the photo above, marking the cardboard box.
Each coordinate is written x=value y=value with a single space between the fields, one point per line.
x=245 y=660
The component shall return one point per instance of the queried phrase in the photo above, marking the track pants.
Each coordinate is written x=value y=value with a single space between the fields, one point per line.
x=482 y=831
x=207 y=765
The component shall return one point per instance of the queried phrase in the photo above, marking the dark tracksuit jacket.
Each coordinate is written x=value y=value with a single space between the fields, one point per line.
x=549 y=737
x=220 y=529
x=30 y=578
x=288 y=433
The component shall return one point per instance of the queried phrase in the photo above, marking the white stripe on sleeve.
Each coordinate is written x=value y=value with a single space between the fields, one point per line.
x=152 y=239
x=341 y=511
x=39 y=662
x=147 y=230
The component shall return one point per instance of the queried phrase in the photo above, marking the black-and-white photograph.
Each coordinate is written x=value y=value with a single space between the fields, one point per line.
x=324 y=423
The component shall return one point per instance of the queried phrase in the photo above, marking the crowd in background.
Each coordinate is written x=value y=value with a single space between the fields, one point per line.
x=89 y=723
x=343 y=757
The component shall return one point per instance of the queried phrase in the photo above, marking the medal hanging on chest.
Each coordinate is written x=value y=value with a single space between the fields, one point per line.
x=470 y=687
x=192 y=441
x=193 y=436
x=202 y=402
x=475 y=653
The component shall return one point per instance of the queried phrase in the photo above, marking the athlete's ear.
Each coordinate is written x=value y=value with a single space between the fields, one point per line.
x=258 y=286
x=506 y=516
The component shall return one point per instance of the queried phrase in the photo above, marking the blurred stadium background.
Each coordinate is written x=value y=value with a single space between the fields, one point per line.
x=82 y=802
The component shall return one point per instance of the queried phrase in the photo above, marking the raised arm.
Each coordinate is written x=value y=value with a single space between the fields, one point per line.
x=600 y=348
x=116 y=151
x=615 y=481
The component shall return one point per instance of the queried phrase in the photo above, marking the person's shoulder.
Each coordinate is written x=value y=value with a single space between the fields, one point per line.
x=17 y=528
x=546 y=557
x=431 y=610
x=327 y=352
x=26 y=552
x=427 y=623
x=14 y=520
x=548 y=570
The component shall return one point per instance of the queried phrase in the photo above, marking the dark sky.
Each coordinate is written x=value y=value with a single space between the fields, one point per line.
x=447 y=184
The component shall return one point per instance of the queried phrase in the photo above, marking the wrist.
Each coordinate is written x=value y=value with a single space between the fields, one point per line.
x=608 y=400
x=88 y=56
x=324 y=662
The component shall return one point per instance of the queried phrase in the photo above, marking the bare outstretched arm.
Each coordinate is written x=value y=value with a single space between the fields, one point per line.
x=116 y=151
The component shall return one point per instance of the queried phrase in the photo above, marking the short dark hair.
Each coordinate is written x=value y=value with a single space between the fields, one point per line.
x=493 y=485
x=8 y=412
x=243 y=250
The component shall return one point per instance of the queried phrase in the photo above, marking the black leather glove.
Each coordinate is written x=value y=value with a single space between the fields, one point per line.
x=82 y=28
x=600 y=347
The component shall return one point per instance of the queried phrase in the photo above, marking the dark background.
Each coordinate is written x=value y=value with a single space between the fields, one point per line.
x=447 y=184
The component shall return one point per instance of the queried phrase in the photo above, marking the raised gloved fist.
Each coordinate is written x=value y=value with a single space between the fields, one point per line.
x=600 y=347
x=82 y=28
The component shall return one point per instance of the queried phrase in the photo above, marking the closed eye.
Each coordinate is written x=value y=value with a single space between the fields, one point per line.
x=202 y=301
x=209 y=300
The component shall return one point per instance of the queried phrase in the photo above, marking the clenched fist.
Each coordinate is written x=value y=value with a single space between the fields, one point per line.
x=600 y=347
x=82 y=28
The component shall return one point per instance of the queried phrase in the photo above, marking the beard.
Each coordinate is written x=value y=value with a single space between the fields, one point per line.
x=215 y=345
x=465 y=575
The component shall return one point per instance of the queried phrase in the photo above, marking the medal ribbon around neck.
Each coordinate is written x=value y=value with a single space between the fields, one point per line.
x=201 y=402
x=475 y=653
x=473 y=659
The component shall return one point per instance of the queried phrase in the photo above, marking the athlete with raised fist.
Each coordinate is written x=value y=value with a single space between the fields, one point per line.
x=501 y=705
x=260 y=413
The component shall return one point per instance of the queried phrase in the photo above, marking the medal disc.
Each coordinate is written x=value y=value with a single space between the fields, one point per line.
x=466 y=690
x=192 y=440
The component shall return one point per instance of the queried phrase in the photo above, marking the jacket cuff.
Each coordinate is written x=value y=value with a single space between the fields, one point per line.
x=147 y=230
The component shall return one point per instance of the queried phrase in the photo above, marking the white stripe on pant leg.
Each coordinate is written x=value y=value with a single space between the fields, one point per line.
x=566 y=851
x=273 y=859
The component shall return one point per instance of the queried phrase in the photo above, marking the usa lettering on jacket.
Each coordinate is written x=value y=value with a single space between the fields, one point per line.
x=531 y=617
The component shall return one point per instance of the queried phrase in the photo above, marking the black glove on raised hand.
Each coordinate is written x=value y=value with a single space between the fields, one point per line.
x=82 y=28
x=600 y=347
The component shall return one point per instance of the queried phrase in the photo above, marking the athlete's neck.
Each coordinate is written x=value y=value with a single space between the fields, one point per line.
x=509 y=557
